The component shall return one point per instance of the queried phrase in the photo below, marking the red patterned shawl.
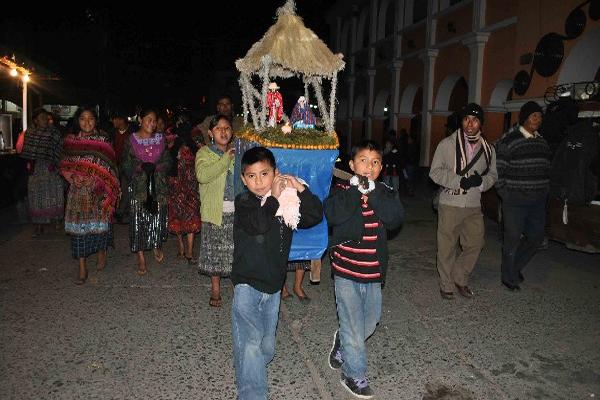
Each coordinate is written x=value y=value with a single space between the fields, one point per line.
x=93 y=156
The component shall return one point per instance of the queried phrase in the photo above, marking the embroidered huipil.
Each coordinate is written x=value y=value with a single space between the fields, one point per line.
x=140 y=150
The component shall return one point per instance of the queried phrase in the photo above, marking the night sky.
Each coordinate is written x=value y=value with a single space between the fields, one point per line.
x=144 y=55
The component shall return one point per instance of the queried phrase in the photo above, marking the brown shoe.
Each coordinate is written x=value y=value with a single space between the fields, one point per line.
x=465 y=291
x=447 y=295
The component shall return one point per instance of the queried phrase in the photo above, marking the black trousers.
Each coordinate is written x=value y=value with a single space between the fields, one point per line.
x=524 y=221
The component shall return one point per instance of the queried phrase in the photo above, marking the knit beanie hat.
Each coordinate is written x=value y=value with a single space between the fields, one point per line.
x=475 y=110
x=528 y=108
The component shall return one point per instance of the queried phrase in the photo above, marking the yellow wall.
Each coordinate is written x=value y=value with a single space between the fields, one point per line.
x=462 y=21
x=453 y=59
x=500 y=46
x=503 y=51
x=499 y=10
x=539 y=18
x=418 y=38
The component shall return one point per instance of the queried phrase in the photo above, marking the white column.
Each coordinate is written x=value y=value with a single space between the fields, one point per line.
x=24 y=109
x=476 y=45
x=373 y=21
x=338 y=34
x=371 y=70
x=354 y=30
x=398 y=25
x=351 y=70
x=396 y=70
x=351 y=80
x=370 y=100
x=408 y=12
x=479 y=7
x=428 y=57
x=431 y=27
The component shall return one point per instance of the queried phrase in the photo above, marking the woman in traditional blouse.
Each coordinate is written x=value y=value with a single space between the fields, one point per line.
x=146 y=163
x=89 y=166
x=43 y=148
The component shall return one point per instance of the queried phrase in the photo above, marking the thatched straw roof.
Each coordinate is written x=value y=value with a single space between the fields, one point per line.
x=293 y=49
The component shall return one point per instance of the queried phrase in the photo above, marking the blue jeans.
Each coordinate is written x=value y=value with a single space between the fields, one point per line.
x=524 y=223
x=359 y=310
x=254 y=318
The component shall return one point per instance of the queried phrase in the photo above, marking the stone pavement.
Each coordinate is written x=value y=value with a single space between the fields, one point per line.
x=124 y=337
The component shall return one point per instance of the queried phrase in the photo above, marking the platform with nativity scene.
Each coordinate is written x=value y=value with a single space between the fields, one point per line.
x=304 y=144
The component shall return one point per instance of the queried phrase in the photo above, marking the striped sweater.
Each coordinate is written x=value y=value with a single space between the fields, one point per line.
x=358 y=242
x=523 y=164
x=357 y=260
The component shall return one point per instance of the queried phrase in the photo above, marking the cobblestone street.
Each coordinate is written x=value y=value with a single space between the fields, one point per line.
x=124 y=337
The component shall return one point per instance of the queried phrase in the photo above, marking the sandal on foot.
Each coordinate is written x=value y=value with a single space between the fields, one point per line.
x=286 y=296
x=302 y=297
x=215 y=301
x=191 y=260
x=80 y=280
x=100 y=268
x=158 y=255
x=142 y=272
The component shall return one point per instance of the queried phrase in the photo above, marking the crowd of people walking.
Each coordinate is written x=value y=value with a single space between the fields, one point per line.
x=167 y=175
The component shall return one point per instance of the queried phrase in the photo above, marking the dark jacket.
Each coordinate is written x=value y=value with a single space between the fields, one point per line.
x=344 y=215
x=262 y=241
x=572 y=176
x=393 y=162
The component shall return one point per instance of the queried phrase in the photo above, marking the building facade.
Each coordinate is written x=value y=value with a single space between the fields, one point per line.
x=411 y=63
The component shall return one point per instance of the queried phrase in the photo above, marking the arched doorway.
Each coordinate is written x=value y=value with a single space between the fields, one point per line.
x=385 y=23
x=417 y=107
x=408 y=98
x=380 y=106
x=358 y=115
x=453 y=94
x=459 y=96
x=503 y=91
x=362 y=36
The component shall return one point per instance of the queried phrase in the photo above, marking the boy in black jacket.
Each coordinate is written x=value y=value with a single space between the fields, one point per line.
x=262 y=244
x=359 y=213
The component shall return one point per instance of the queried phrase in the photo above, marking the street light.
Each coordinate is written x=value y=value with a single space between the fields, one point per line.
x=15 y=70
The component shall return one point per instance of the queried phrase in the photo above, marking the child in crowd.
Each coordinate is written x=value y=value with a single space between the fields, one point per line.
x=359 y=213
x=262 y=246
x=184 y=200
x=214 y=171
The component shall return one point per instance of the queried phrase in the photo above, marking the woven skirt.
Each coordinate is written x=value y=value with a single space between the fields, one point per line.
x=85 y=245
x=298 y=264
x=146 y=231
x=216 y=247
x=45 y=194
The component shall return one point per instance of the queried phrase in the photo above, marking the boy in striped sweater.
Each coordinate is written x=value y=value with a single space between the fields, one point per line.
x=359 y=213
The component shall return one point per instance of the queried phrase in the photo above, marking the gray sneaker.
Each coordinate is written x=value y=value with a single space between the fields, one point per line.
x=335 y=356
x=358 y=387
